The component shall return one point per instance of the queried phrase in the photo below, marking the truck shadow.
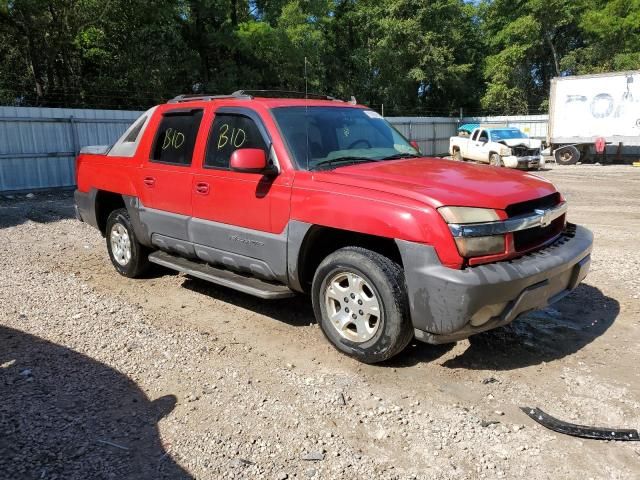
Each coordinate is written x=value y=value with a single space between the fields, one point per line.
x=295 y=311
x=543 y=335
x=65 y=415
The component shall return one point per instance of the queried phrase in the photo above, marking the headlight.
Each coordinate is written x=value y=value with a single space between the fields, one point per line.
x=480 y=246
x=474 y=246
x=505 y=151
x=468 y=214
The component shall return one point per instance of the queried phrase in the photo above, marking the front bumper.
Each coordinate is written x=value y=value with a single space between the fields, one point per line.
x=443 y=300
x=512 y=161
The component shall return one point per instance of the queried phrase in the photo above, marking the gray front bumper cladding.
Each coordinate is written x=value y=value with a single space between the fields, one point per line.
x=442 y=300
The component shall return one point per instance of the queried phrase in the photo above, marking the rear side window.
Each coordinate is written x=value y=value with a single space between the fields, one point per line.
x=176 y=137
x=132 y=136
x=229 y=133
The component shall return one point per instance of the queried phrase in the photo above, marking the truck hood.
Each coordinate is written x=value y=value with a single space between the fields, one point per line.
x=439 y=182
x=527 y=142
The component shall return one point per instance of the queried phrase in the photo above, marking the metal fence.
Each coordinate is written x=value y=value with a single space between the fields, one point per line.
x=533 y=125
x=38 y=145
x=431 y=133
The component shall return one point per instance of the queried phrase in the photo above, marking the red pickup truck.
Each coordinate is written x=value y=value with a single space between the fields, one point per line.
x=278 y=196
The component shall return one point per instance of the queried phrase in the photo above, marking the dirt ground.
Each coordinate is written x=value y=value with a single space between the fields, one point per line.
x=171 y=377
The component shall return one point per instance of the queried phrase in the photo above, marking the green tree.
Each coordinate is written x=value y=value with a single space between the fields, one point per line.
x=611 y=37
x=88 y=52
x=526 y=42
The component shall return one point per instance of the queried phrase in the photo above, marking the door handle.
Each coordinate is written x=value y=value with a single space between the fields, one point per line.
x=149 y=181
x=202 y=188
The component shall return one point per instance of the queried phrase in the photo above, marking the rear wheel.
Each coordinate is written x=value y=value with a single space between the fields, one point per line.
x=127 y=255
x=567 y=155
x=457 y=155
x=496 y=160
x=360 y=302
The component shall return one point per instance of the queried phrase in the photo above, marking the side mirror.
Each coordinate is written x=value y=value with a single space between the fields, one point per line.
x=250 y=160
x=415 y=145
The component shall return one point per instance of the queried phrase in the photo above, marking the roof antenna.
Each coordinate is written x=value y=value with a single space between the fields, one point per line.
x=306 y=110
x=305 y=79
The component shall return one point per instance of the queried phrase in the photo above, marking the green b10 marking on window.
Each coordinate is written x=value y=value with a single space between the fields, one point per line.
x=172 y=138
x=238 y=137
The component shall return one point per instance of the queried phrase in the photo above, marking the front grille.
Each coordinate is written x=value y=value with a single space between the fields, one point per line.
x=529 y=206
x=534 y=237
x=523 y=151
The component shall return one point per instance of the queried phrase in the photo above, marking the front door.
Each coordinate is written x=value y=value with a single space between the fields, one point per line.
x=239 y=219
x=482 y=146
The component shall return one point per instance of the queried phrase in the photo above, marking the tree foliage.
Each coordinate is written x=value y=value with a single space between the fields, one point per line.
x=413 y=56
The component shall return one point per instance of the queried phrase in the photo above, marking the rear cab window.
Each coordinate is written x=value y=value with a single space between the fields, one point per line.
x=176 y=137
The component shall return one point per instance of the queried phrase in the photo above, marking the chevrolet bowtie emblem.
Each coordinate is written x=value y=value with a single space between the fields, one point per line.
x=545 y=217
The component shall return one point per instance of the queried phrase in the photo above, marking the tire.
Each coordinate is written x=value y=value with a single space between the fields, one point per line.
x=567 y=155
x=457 y=155
x=495 y=160
x=368 y=338
x=127 y=255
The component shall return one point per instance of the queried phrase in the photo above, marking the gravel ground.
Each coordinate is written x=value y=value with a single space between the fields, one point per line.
x=170 y=377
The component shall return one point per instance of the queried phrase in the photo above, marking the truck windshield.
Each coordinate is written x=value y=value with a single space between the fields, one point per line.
x=328 y=137
x=507 y=134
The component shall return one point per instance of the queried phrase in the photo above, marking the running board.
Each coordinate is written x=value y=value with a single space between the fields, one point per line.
x=226 y=278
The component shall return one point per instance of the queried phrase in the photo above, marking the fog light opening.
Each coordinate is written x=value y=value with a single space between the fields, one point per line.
x=486 y=313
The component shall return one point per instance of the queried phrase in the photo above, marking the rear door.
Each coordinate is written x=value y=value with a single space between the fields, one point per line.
x=168 y=176
x=240 y=219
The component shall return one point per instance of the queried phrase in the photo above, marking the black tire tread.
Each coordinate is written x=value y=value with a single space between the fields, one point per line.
x=394 y=274
x=139 y=259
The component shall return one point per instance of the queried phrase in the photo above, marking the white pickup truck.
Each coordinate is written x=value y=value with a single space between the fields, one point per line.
x=498 y=146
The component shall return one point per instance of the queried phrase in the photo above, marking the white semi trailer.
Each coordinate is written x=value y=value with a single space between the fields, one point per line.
x=586 y=108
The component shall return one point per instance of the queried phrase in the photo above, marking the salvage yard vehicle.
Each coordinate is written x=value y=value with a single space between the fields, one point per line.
x=587 y=109
x=278 y=196
x=497 y=146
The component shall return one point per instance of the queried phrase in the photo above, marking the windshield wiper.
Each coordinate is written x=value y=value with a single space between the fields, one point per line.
x=333 y=161
x=397 y=156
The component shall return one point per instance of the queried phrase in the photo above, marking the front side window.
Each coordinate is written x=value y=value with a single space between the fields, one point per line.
x=176 y=137
x=327 y=137
x=229 y=133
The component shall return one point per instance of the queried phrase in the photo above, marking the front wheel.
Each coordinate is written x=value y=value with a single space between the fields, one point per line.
x=127 y=255
x=496 y=160
x=360 y=302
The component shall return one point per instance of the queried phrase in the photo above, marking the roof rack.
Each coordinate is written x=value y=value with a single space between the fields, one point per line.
x=284 y=94
x=249 y=94
x=205 y=97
